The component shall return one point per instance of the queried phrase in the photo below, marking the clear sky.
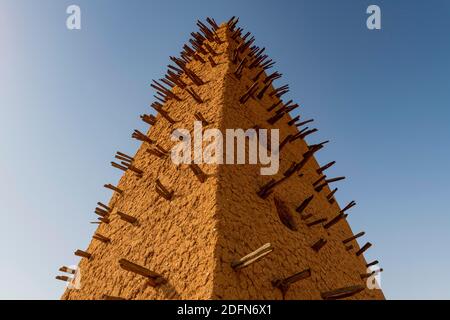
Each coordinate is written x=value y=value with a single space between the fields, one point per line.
x=70 y=99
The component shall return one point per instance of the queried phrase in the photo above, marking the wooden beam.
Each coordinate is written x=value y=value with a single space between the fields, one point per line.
x=252 y=257
x=342 y=292
x=155 y=278
x=83 y=254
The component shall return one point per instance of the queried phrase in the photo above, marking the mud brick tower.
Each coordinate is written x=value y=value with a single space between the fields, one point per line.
x=223 y=231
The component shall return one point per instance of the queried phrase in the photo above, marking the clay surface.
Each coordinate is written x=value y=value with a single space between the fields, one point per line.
x=192 y=239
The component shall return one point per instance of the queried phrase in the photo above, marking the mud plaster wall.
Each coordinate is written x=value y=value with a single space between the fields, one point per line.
x=192 y=239
x=246 y=221
x=177 y=238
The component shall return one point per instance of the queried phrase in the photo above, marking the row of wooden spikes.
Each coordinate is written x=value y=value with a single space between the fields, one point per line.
x=156 y=279
x=267 y=189
x=157 y=151
x=283 y=108
x=172 y=78
x=199 y=48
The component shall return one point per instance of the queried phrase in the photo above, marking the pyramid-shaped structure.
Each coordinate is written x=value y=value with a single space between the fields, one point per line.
x=222 y=231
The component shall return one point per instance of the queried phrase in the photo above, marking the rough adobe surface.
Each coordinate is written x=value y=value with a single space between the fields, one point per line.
x=192 y=239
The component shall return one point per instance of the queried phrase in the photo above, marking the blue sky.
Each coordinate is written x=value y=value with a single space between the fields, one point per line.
x=70 y=99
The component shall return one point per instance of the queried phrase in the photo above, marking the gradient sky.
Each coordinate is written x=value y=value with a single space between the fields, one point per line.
x=70 y=99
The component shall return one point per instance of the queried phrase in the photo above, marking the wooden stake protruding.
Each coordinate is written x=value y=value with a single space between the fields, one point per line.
x=276 y=118
x=298 y=166
x=367 y=275
x=175 y=78
x=315 y=183
x=141 y=137
x=330 y=196
x=101 y=238
x=318 y=146
x=149 y=119
x=252 y=257
x=304 y=133
x=213 y=23
x=113 y=188
x=293 y=121
x=267 y=189
x=126 y=217
x=232 y=23
x=316 y=222
x=319 y=188
x=373 y=263
x=280 y=91
x=163 y=191
x=199 y=117
x=139 y=173
x=342 y=292
x=122 y=156
x=198 y=172
x=83 y=254
x=212 y=62
x=126 y=164
x=67 y=270
x=285 y=142
x=104 y=220
x=163 y=92
x=273 y=106
x=194 y=95
x=282 y=107
x=104 y=206
x=267 y=64
x=304 y=122
x=284 y=284
x=238 y=71
x=118 y=166
x=64 y=278
x=158 y=151
x=102 y=212
x=155 y=278
x=189 y=73
x=347 y=207
x=249 y=93
x=325 y=167
x=272 y=77
x=306 y=216
x=159 y=108
x=335 y=220
x=363 y=249
x=304 y=204
x=291 y=170
x=370 y=274
x=319 y=244
x=353 y=237
x=210 y=49
x=260 y=95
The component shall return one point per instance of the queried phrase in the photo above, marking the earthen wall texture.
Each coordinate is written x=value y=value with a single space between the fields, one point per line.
x=192 y=239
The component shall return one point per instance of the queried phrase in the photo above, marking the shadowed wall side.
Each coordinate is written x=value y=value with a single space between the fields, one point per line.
x=246 y=221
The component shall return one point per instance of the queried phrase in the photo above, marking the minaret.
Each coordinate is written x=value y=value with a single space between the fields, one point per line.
x=222 y=231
